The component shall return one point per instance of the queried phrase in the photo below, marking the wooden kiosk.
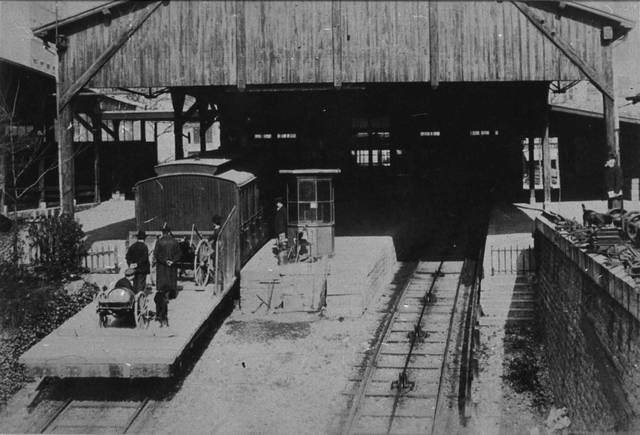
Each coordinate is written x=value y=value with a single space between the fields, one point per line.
x=310 y=208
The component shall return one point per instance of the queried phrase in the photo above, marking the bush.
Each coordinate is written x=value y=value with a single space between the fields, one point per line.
x=27 y=314
x=59 y=243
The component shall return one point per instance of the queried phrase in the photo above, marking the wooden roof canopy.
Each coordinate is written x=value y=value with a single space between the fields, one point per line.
x=252 y=44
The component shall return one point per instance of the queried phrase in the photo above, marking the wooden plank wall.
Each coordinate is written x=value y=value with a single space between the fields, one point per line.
x=286 y=42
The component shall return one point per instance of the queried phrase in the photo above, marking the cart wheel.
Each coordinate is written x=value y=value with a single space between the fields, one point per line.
x=201 y=263
x=102 y=320
x=141 y=311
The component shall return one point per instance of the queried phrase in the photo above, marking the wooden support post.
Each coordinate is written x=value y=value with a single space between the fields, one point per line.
x=66 y=160
x=96 y=123
x=434 y=71
x=177 y=99
x=41 y=182
x=611 y=122
x=143 y=131
x=3 y=176
x=336 y=38
x=241 y=49
x=546 y=162
x=532 y=172
x=202 y=113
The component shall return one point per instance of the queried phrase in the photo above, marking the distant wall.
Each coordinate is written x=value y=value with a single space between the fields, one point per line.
x=590 y=316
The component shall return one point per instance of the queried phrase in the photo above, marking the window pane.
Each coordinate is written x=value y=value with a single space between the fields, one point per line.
x=324 y=190
x=374 y=158
x=307 y=190
x=385 y=157
x=324 y=212
x=362 y=157
x=306 y=212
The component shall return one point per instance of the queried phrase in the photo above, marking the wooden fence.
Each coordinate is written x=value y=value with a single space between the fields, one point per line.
x=512 y=260
x=102 y=259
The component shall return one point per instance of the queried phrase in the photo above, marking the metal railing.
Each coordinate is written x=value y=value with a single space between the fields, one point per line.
x=512 y=260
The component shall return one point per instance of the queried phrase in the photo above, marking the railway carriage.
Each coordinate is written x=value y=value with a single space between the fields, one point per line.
x=186 y=195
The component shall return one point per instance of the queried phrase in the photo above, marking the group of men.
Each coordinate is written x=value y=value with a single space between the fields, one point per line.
x=166 y=254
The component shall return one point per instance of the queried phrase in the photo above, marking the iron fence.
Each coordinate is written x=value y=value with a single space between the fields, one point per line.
x=512 y=260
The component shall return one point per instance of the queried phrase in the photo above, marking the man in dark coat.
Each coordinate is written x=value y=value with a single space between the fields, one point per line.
x=166 y=254
x=138 y=259
x=126 y=281
x=613 y=181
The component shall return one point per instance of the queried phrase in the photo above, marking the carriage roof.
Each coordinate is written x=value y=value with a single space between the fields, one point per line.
x=208 y=166
x=240 y=178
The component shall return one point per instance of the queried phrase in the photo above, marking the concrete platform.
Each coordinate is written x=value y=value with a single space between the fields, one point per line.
x=347 y=282
x=79 y=348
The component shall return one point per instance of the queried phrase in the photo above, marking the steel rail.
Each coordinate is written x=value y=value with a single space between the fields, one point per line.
x=415 y=336
x=357 y=400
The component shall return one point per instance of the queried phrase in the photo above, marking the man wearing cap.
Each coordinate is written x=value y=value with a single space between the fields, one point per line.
x=166 y=254
x=138 y=259
x=613 y=181
x=127 y=280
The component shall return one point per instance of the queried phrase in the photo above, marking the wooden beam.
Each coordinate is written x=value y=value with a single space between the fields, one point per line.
x=109 y=131
x=434 y=69
x=84 y=123
x=106 y=55
x=97 y=142
x=241 y=49
x=336 y=37
x=202 y=112
x=610 y=111
x=546 y=162
x=66 y=160
x=532 y=172
x=592 y=74
x=177 y=100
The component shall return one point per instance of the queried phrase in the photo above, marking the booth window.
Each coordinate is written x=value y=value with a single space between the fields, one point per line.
x=310 y=200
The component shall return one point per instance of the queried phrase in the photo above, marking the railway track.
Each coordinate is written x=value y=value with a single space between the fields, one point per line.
x=87 y=416
x=398 y=390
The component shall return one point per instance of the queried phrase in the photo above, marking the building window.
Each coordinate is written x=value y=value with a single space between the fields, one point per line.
x=385 y=157
x=262 y=136
x=286 y=135
x=429 y=133
x=362 y=157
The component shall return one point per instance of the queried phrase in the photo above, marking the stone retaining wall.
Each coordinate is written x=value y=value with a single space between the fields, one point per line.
x=590 y=316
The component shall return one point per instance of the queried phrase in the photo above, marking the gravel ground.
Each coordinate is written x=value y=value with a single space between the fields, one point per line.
x=282 y=374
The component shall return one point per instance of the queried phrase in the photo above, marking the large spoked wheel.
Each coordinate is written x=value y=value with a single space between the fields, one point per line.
x=202 y=263
x=141 y=311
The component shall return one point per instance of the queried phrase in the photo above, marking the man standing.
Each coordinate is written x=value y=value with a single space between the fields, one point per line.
x=166 y=254
x=138 y=259
x=613 y=180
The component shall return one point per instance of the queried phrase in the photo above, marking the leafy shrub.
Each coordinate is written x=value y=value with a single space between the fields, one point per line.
x=59 y=243
x=27 y=314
